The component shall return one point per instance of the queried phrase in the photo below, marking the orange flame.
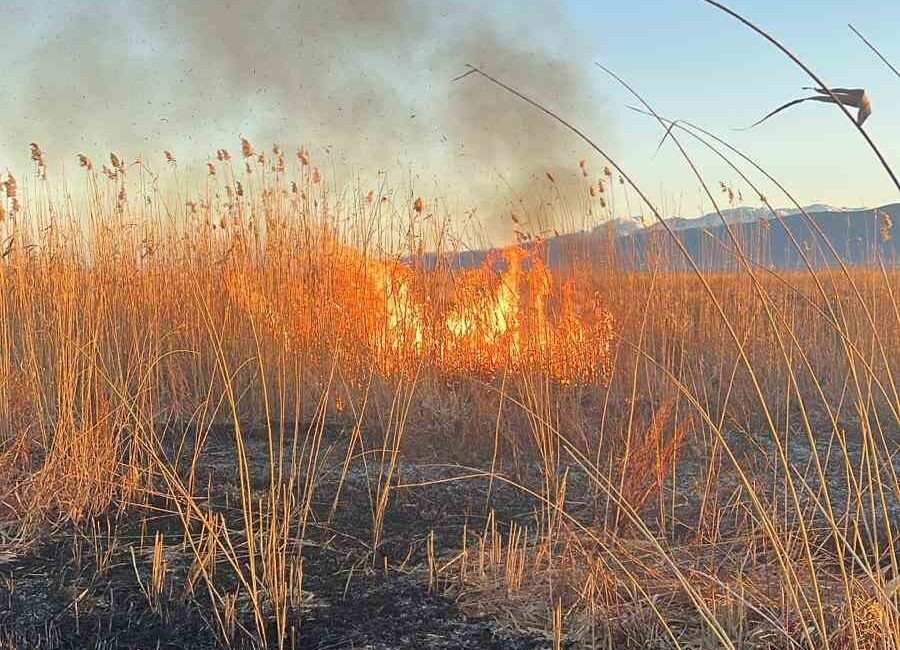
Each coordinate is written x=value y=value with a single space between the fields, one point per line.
x=514 y=313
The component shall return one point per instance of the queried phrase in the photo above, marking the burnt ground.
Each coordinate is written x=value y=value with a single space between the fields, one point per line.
x=78 y=587
x=83 y=586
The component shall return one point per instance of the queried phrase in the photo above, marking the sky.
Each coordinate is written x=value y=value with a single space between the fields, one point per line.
x=367 y=87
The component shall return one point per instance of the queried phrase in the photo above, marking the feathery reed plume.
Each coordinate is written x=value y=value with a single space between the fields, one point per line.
x=316 y=175
x=122 y=199
x=303 y=156
x=37 y=155
x=12 y=193
x=210 y=169
x=223 y=155
x=10 y=186
x=584 y=167
x=278 y=152
x=85 y=161
x=419 y=205
x=246 y=148
x=886 y=227
x=170 y=158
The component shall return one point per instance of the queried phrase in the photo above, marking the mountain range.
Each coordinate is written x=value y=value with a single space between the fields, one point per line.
x=823 y=235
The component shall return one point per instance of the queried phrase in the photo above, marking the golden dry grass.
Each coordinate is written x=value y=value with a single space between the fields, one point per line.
x=265 y=298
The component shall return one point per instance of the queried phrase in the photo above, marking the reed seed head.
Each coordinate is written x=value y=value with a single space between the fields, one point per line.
x=10 y=186
x=886 y=227
x=246 y=147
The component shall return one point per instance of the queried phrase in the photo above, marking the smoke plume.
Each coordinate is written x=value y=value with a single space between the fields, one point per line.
x=368 y=82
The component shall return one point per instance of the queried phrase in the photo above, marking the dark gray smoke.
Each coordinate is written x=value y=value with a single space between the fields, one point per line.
x=367 y=81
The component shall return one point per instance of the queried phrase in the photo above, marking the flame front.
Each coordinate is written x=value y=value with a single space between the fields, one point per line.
x=514 y=313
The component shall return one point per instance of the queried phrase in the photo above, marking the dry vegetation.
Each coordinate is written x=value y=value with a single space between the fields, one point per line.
x=708 y=458
x=263 y=410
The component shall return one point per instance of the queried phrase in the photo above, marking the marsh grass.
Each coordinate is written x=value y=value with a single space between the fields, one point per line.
x=711 y=454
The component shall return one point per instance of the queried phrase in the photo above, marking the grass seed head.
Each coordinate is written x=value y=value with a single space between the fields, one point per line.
x=246 y=148
x=886 y=227
x=37 y=155
x=10 y=186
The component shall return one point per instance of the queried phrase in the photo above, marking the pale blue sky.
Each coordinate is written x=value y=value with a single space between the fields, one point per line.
x=696 y=63
x=190 y=76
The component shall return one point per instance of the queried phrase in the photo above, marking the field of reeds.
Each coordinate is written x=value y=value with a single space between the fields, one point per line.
x=250 y=414
x=254 y=407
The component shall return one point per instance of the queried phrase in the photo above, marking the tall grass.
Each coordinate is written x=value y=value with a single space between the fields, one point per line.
x=735 y=430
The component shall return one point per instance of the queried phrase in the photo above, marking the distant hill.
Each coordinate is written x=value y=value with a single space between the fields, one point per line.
x=744 y=214
x=854 y=234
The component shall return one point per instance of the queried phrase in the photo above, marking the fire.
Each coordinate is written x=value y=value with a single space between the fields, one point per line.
x=514 y=313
